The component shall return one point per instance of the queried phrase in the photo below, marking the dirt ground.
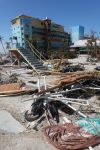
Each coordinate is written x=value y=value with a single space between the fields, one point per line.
x=29 y=139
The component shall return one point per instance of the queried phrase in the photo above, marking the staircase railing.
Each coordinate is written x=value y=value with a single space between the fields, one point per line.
x=27 y=61
x=36 y=52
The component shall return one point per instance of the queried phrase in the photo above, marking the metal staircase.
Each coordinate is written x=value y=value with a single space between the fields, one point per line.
x=31 y=59
x=31 y=56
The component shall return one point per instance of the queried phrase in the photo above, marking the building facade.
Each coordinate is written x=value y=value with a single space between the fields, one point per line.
x=44 y=34
x=77 y=33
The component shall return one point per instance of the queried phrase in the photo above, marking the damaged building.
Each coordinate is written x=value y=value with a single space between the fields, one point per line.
x=44 y=34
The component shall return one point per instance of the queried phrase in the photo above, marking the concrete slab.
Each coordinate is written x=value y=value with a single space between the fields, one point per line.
x=9 y=124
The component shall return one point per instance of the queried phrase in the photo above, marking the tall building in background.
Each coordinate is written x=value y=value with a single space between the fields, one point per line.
x=44 y=34
x=77 y=33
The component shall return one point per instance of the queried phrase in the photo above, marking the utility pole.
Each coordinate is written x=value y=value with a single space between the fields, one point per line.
x=47 y=30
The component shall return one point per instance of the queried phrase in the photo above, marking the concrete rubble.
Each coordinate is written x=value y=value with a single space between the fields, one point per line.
x=9 y=124
x=45 y=102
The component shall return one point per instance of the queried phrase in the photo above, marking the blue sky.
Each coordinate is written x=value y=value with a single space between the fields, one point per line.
x=65 y=12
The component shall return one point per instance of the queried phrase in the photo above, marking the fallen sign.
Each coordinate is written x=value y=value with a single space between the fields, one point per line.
x=13 y=89
x=70 y=137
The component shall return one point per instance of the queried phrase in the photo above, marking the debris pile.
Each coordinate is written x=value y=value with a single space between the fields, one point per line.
x=47 y=107
x=55 y=104
x=9 y=79
x=11 y=85
x=71 y=68
x=5 y=60
x=68 y=102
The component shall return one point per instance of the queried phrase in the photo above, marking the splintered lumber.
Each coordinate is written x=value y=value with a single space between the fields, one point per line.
x=73 y=77
x=12 y=89
x=9 y=87
x=68 y=73
x=57 y=73
x=68 y=79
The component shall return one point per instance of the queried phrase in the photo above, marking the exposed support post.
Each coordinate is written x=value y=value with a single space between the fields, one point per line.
x=2 y=44
x=45 y=82
x=19 y=63
x=38 y=84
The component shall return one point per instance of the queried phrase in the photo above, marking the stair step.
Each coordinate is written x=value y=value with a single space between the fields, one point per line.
x=32 y=59
x=27 y=52
x=41 y=68
x=37 y=64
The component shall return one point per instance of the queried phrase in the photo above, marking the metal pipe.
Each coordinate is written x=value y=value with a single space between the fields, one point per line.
x=38 y=84
x=44 y=77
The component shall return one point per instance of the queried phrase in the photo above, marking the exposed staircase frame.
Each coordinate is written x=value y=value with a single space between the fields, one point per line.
x=36 y=62
x=35 y=51
x=25 y=59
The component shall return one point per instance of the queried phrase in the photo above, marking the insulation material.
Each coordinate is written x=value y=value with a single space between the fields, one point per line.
x=92 y=125
x=70 y=137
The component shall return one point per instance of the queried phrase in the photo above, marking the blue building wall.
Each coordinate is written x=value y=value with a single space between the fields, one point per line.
x=56 y=44
x=77 y=33
x=16 y=32
x=25 y=27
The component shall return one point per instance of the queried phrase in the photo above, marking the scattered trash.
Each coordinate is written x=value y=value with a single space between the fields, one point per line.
x=5 y=79
x=5 y=60
x=43 y=105
x=40 y=106
x=67 y=96
x=72 y=68
x=70 y=137
x=13 y=89
x=91 y=125
x=97 y=68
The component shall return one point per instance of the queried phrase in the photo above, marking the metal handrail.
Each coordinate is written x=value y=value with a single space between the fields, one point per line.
x=36 y=52
x=27 y=61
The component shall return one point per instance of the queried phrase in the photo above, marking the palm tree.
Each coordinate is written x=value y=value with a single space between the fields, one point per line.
x=92 y=44
x=11 y=41
x=8 y=45
x=2 y=44
x=15 y=38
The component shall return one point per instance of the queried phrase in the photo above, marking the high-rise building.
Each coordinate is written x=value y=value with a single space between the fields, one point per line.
x=44 y=34
x=77 y=33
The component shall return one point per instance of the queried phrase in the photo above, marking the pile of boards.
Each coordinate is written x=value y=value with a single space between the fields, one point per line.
x=68 y=78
